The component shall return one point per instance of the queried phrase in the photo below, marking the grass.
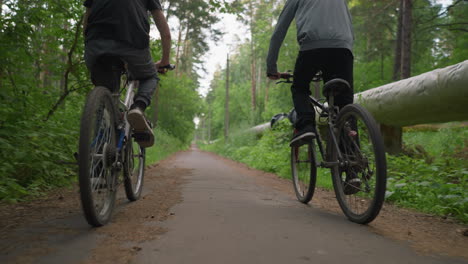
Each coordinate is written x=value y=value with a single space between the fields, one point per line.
x=165 y=145
x=431 y=175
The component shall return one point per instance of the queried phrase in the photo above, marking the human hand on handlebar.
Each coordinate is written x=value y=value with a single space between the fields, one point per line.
x=274 y=76
x=279 y=75
x=163 y=67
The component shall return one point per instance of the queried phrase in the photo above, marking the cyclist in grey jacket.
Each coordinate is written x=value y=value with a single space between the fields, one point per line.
x=325 y=36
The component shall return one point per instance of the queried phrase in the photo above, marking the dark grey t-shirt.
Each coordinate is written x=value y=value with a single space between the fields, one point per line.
x=122 y=20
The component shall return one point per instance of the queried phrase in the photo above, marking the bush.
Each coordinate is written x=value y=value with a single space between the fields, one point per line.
x=36 y=156
x=165 y=145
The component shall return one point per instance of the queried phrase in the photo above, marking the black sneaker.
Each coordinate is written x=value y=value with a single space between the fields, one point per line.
x=302 y=136
x=352 y=184
x=142 y=131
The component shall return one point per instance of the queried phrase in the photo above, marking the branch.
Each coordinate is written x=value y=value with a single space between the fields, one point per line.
x=446 y=25
x=68 y=70
x=443 y=13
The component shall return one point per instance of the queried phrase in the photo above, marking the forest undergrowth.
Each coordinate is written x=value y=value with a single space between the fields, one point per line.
x=46 y=159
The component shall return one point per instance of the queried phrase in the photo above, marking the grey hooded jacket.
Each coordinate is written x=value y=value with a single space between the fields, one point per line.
x=320 y=24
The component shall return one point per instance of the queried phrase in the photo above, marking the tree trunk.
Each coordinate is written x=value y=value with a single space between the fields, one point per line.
x=397 y=61
x=253 y=78
x=267 y=88
x=226 y=103
x=252 y=59
x=154 y=120
x=406 y=39
x=209 y=123
x=63 y=58
x=179 y=39
x=401 y=70
x=186 y=52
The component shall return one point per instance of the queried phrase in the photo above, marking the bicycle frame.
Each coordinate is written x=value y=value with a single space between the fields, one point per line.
x=124 y=126
x=331 y=114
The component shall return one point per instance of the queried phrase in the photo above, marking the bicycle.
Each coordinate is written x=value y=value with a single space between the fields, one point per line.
x=107 y=146
x=354 y=153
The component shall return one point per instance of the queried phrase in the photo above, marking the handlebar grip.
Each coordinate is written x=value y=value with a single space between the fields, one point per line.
x=286 y=75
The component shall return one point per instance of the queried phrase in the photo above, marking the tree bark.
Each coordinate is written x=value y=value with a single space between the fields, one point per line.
x=154 y=120
x=267 y=88
x=179 y=39
x=209 y=123
x=401 y=70
x=185 y=64
x=397 y=61
x=406 y=39
x=226 y=103
x=252 y=59
x=253 y=78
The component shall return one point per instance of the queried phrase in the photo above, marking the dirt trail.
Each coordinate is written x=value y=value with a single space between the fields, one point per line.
x=201 y=208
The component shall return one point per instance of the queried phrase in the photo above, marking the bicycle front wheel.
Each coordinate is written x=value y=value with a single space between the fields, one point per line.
x=97 y=153
x=360 y=184
x=304 y=171
x=134 y=170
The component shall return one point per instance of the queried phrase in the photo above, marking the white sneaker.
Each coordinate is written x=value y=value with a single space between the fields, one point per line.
x=142 y=131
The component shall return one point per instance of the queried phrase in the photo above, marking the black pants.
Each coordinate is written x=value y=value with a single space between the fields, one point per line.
x=334 y=63
x=139 y=64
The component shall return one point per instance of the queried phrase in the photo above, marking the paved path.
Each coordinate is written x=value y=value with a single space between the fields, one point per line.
x=227 y=215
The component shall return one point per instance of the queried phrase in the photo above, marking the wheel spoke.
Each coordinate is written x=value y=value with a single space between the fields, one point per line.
x=360 y=195
x=303 y=172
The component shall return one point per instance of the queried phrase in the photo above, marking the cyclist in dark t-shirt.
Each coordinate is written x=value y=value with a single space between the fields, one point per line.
x=121 y=28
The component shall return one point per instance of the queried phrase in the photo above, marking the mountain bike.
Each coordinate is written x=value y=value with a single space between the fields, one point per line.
x=107 y=146
x=354 y=153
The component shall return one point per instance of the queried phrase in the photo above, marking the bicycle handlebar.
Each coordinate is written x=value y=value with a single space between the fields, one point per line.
x=288 y=76
x=170 y=67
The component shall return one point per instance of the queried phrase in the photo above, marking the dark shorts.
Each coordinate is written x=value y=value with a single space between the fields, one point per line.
x=139 y=62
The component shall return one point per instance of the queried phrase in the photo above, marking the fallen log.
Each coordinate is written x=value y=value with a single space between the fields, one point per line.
x=433 y=97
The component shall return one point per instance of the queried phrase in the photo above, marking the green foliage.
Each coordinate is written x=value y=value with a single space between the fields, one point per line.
x=439 y=187
x=438 y=40
x=444 y=143
x=166 y=144
x=35 y=156
x=178 y=104
x=43 y=85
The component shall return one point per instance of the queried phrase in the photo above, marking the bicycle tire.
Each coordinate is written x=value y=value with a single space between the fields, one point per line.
x=304 y=171
x=134 y=176
x=97 y=178
x=360 y=187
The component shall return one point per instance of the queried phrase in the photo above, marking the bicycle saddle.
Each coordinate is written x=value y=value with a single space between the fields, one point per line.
x=335 y=86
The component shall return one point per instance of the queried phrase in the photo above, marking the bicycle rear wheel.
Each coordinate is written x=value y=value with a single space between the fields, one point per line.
x=97 y=152
x=134 y=170
x=360 y=185
x=304 y=171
